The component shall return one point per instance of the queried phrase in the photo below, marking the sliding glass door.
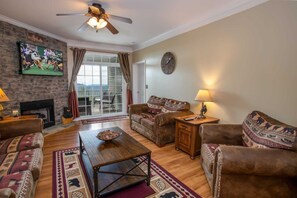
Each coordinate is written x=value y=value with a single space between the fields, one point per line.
x=100 y=85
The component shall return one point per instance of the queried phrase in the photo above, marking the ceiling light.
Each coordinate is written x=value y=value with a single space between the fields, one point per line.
x=101 y=24
x=92 y=22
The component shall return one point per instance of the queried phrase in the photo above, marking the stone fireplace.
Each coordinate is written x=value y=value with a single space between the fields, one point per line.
x=23 y=88
x=44 y=109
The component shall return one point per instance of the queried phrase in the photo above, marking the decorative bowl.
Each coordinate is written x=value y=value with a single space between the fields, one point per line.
x=108 y=135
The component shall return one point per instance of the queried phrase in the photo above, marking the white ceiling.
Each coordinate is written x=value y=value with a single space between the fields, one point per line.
x=153 y=20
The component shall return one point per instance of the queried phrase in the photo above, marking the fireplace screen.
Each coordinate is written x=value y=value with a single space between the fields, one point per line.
x=42 y=113
x=43 y=108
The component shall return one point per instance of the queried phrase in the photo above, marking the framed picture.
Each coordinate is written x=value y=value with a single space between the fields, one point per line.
x=39 y=60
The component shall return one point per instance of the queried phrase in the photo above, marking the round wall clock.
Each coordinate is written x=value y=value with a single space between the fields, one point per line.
x=168 y=63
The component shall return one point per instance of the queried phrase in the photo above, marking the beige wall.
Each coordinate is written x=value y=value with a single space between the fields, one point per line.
x=248 y=61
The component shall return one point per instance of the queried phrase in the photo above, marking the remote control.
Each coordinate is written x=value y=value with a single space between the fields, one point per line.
x=188 y=119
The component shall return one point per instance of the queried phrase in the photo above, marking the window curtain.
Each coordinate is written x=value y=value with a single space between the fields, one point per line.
x=78 y=56
x=125 y=67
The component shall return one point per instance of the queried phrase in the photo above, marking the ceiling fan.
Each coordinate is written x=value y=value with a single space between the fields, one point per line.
x=98 y=19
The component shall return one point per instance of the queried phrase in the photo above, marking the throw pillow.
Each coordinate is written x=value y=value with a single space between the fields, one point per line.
x=175 y=105
x=257 y=132
x=155 y=104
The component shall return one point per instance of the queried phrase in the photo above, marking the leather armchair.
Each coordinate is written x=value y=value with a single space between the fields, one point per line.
x=233 y=170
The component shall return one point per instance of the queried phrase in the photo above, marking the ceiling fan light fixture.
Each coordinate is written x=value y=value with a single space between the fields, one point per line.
x=92 y=22
x=101 y=23
x=98 y=18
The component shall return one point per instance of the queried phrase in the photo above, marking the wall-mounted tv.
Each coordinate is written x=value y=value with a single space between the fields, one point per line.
x=38 y=60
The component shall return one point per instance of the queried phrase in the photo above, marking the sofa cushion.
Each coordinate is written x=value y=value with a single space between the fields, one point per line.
x=150 y=116
x=207 y=155
x=136 y=117
x=20 y=161
x=148 y=123
x=21 y=184
x=155 y=104
x=257 y=132
x=19 y=143
x=175 y=105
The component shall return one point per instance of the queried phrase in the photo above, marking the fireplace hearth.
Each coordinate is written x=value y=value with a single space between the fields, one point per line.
x=43 y=108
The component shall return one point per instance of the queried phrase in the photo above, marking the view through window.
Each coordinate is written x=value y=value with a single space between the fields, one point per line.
x=100 y=85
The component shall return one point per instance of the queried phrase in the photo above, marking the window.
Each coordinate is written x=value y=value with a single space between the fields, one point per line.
x=100 y=85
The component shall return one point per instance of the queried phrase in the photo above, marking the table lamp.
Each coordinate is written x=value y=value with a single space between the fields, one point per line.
x=3 y=98
x=203 y=96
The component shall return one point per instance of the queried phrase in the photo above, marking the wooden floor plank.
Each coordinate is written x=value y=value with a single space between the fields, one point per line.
x=176 y=162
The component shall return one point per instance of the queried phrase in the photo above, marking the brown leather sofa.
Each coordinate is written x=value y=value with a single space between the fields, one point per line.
x=235 y=170
x=155 y=119
x=21 y=157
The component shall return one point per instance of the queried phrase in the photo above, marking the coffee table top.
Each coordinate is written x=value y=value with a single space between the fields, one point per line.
x=101 y=153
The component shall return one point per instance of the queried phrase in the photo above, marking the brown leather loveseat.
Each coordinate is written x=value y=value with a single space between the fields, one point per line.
x=155 y=119
x=255 y=159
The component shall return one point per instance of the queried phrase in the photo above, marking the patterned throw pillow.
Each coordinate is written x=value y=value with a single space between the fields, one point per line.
x=155 y=104
x=259 y=133
x=174 y=105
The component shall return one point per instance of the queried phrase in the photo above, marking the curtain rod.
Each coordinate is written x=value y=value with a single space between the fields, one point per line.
x=102 y=51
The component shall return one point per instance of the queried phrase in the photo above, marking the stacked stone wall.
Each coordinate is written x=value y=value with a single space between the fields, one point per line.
x=25 y=88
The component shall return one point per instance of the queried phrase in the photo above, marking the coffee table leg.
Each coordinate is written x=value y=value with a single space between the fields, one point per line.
x=148 y=169
x=96 y=194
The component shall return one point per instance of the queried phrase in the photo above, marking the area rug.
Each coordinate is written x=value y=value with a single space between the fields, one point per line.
x=70 y=180
x=104 y=119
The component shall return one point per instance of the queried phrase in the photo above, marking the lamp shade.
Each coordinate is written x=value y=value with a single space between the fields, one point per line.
x=203 y=96
x=3 y=96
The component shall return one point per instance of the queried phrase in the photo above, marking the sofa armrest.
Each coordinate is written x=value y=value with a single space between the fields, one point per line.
x=137 y=108
x=230 y=134
x=256 y=161
x=13 y=128
x=7 y=193
x=168 y=118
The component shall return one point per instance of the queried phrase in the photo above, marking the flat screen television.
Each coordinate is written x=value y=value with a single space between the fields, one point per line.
x=39 y=60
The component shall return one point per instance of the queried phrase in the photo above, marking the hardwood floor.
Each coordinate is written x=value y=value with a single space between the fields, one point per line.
x=177 y=163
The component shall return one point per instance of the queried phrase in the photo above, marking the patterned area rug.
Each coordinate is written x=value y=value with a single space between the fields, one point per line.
x=104 y=119
x=70 y=180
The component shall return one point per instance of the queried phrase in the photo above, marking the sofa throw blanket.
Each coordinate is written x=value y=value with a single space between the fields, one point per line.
x=155 y=104
x=259 y=133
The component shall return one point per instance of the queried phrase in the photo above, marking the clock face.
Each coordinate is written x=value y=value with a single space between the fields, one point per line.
x=168 y=63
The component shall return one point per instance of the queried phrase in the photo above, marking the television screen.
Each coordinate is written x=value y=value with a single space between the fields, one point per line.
x=38 y=60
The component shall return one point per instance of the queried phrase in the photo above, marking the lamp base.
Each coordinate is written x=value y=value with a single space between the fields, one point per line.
x=200 y=116
x=202 y=112
x=1 y=112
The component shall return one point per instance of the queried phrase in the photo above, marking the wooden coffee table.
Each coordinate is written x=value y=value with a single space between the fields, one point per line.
x=112 y=165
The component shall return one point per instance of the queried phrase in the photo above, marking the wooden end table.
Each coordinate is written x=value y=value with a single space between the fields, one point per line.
x=187 y=136
x=113 y=165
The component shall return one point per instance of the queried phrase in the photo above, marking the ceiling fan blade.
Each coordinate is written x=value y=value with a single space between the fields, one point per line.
x=70 y=14
x=83 y=27
x=88 y=15
x=111 y=28
x=94 y=10
x=119 y=18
